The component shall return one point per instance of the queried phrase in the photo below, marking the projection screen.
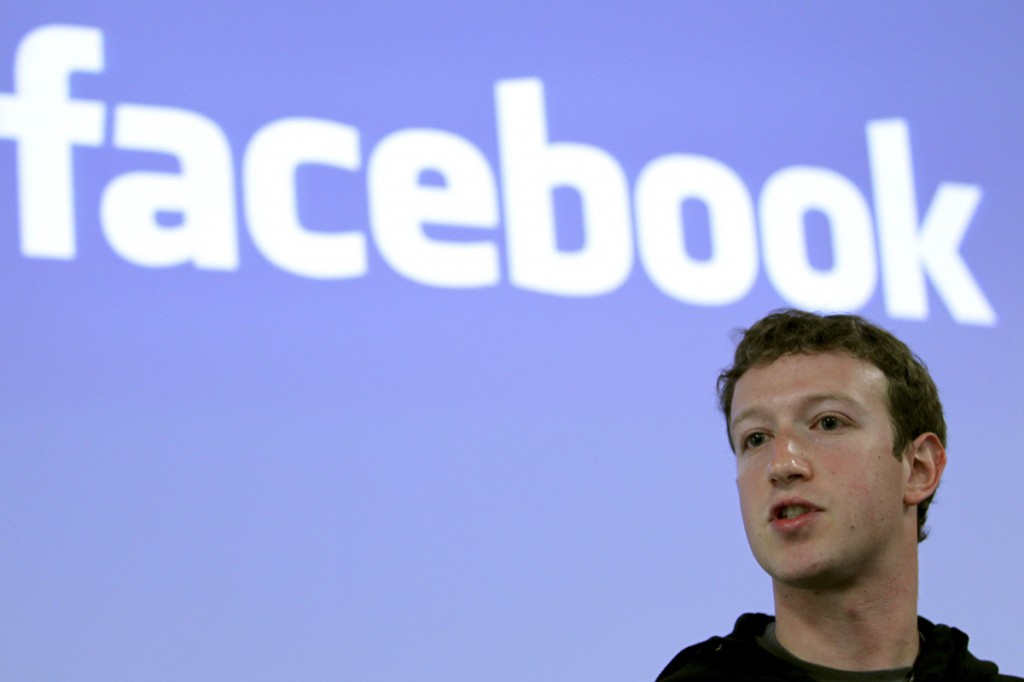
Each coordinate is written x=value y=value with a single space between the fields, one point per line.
x=365 y=341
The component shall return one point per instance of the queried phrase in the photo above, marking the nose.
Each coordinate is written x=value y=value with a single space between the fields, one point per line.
x=787 y=463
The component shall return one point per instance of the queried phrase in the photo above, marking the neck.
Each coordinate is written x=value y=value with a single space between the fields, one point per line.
x=866 y=625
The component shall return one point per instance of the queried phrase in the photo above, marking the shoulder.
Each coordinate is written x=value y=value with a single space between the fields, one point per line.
x=738 y=656
x=735 y=656
x=945 y=655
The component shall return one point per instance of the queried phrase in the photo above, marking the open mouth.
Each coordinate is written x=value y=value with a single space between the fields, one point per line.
x=787 y=510
x=791 y=511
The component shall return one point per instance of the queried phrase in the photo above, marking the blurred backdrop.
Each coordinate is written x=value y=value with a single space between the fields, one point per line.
x=373 y=340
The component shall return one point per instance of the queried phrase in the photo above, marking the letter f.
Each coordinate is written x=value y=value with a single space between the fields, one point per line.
x=41 y=117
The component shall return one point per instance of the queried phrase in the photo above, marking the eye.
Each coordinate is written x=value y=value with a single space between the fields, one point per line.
x=830 y=422
x=755 y=440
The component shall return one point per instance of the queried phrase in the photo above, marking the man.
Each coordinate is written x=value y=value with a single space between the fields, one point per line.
x=840 y=441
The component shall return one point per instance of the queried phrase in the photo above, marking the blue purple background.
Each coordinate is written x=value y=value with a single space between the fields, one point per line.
x=251 y=475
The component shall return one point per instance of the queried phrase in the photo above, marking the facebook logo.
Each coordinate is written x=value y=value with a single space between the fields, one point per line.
x=880 y=242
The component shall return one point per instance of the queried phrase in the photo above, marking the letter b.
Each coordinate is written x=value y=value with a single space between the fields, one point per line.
x=531 y=169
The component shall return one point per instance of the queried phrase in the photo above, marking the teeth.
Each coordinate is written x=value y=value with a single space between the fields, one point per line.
x=792 y=512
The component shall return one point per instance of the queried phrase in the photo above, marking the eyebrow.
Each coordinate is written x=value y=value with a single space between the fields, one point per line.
x=805 y=402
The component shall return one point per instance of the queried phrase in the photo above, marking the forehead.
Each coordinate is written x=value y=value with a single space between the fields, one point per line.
x=794 y=377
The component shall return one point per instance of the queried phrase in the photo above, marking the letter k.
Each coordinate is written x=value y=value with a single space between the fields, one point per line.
x=907 y=253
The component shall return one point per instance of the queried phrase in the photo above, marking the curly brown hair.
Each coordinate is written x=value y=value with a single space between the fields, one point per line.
x=914 y=406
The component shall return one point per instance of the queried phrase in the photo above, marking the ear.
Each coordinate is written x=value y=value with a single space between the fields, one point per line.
x=927 y=460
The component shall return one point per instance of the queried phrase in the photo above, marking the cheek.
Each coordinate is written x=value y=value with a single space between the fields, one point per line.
x=748 y=492
x=876 y=494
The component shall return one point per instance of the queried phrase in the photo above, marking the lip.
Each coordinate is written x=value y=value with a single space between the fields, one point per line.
x=797 y=522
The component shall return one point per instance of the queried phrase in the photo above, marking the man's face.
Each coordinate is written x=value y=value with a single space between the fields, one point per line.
x=821 y=492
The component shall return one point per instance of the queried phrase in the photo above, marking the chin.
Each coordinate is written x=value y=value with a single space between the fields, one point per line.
x=807 y=581
x=806 y=575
